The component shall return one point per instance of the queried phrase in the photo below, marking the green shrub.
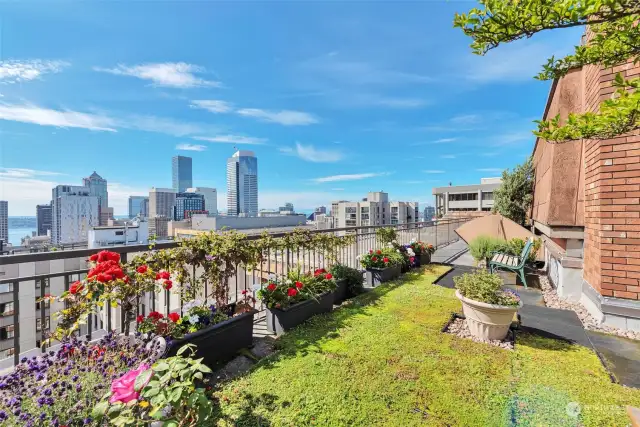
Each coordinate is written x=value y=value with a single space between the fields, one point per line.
x=352 y=276
x=516 y=245
x=485 y=287
x=386 y=235
x=482 y=246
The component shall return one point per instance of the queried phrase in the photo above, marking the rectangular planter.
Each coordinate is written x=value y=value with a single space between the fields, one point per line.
x=220 y=342
x=377 y=276
x=424 y=258
x=340 y=294
x=280 y=321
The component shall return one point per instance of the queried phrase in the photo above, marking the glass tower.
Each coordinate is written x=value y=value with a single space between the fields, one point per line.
x=242 y=184
x=181 y=173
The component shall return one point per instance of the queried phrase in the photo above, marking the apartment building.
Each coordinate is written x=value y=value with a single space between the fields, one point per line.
x=375 y=209
x=466 y=198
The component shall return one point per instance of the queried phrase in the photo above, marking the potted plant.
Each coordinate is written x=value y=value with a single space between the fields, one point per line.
x=381 y=265
x=489 y=310
x=422 y=252
x=294 y=298
x=351 y=278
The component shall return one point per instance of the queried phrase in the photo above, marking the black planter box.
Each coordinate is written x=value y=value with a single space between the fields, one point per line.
x=341 y=292
x=280 y=321
x=376 y=276
x=423 y=259
x=220 y=342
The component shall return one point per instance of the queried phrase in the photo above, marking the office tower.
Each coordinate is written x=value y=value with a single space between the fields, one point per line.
x=429 y=213
x=187 y=204
x=74 y=210
x=242 y=184
x=181 y=173
x=137 y=206
x=43 y=219
x=98 y=187
x=321 y=210
x=161 y=202
x=159 y=227
x=144 y=208
x=210 y=198
x=4 y=221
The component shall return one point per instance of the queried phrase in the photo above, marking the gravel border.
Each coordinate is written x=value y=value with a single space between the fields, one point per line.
x=458 y=327
x=553 y=300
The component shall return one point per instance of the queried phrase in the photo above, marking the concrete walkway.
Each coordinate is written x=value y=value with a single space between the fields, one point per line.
x=620 y=356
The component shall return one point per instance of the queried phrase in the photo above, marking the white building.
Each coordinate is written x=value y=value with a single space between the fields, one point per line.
x=161 y=202
x=98 y=187
x=74 y=212
x=466 y=198
x=131 y=233
x=210 y=198
x=242 y=184
x=4 y=221
x=375 y=209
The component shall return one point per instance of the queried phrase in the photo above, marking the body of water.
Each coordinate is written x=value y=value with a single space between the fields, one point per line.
x=16 y=234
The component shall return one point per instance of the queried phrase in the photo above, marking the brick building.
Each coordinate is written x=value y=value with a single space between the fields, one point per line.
x=587 y=204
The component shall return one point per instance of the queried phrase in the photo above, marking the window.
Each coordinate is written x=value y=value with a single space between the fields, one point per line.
x=38 y=304
x=6 y=308
x=43 y=280
x=6 y=287
x=364 y=210
x=39 y=324
x=6 y=332
x=119 y=233
x=487 y=196
x=350 y=210
x=463 y=197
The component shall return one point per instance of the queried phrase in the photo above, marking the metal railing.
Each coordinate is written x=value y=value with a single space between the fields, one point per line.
x=34 y=275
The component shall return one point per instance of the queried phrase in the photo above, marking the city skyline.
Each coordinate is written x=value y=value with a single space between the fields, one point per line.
x=326 y=112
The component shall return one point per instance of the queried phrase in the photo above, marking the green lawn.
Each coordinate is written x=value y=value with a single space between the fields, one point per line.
x=382 y=360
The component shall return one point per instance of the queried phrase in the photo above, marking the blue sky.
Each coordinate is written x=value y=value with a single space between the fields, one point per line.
x=336 y=99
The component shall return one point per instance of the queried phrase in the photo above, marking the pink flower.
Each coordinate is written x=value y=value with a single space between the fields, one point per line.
x=122 y=389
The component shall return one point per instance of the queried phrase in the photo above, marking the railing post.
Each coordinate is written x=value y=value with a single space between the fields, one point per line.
x=42 y=313
x=16 y=324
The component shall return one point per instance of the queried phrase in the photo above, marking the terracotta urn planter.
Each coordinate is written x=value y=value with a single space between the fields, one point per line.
x=487 y=321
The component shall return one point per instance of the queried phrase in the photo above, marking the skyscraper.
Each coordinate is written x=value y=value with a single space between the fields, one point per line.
x=161 y=202
x=187 y=204
x=137 y=206
x=43 y=219
x=4 y=221
x=181 y=173
x=98 y=187
x=74 y=210
x=210 y=198
x=242 y=184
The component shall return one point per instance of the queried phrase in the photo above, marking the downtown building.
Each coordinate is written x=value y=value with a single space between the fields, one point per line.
x=181 y=173
x=210 y=198
x=375 y=209
x=187 y=204
x=44 y=220
x=74 y=210
x=98 y=187
x=242 y=184
x=138 y=206
x=4 y=222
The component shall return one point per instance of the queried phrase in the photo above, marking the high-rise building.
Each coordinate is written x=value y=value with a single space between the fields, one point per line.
x=288 y=207
x=159 y=227
x=210 y=198
x=375 y=209
x=43 y=219
x=187 y=204
x=242 y=184
x=74 y=210
x=98 y=187
x=137 y=205
x=321 y=210
x=161 y=202
x=429 y=213
x=144 y=208
x=181 y=173
x=4 y=221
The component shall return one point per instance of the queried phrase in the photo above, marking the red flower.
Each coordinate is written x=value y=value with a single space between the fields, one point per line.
x=108 y=256
x=319 y=271
x=155 y=315
x=93 y=257
x=379 y=252
x=299 y=285
x=374 y=259
x=328 y=276
x=278 y=305
x=168 y=284
x=371 y=251
x=292 y=292
x=244 y=292
x=163 y=275
x=126 y=279
x=103 y=277
x=174 y=317
x=411 y=259
x=385 y=260
x=142 y=269
x=76 y=287
x=272 y=287
x=140 y=319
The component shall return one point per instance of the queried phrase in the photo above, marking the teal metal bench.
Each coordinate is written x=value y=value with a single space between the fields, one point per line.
x=502 y=261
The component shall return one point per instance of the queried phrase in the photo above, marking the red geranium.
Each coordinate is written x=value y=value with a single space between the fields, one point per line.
x=328 y=276
x=370 y=251
x=292 y=292
x=142 y=269
x=244 y=292
x=168 y=284
x=156 y=315
x=411 y=259
x=93 y=257
x=174 y=317
x=319 y=271
x=272 y=287
x=76 y=287
x=385 y=260
x=140 y=319
x=163 y=275
x=299 y=285
x=374 y=259
x=379 y=252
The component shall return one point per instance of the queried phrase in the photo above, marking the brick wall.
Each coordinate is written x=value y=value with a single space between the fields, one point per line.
x=612 y=197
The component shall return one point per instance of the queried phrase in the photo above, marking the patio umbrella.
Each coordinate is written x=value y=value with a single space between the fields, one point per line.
x=494 y=225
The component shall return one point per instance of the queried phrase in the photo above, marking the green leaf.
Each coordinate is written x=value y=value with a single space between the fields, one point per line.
x=175 y=395
x=170 y=423
x=100 y=409
x=160 y=366
x=204 y=368
x=142 y=379
x=185 y=348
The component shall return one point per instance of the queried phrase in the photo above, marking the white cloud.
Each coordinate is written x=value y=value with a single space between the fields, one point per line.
x=512 y=138
x=466 y=119
x=283 y=117
x=24 y=173
x=190 y=147
x=16 y=71
x=312 y=154
x=169 y=74
x=348 y=177
x=232 y=139
x=119 y=196
x=47 y=117
x=448 y=156
x=337 y=189
x=212 y=105
x=432 y=171
x=164 y=125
